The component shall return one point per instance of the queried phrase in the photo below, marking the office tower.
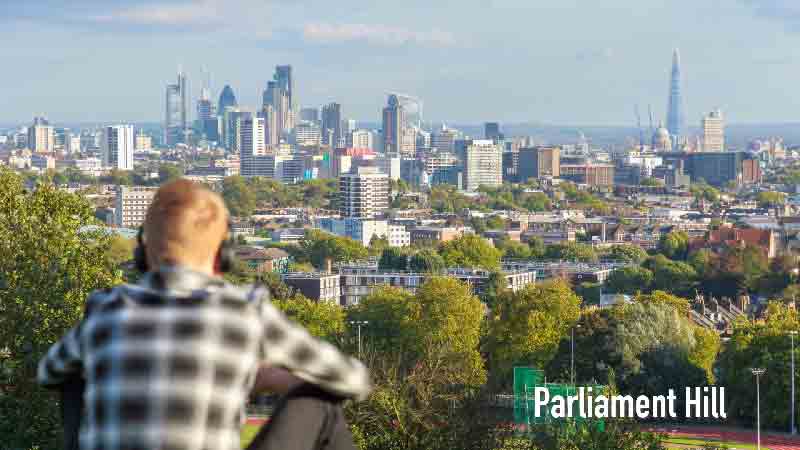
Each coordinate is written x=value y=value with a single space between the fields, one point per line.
x=718 y=168
x=482 y=164
x=538 y=162
x=393 y=126
x=61 y=139
x=283 y=76
x=360 y=139
x=511 y=166
x=309 y=114
x=272 y=130
x=253 y=148
x=588 y=173
x=280 y=95
x=363 y=193
x=675 y=103
x=491 y=131
x=408 y=142
x=226 y=99
x=233 y=121
x=444 y=139
x=332 y=125
x=713 y=132
x=176 y=117
x=117 y=147
x=143 y=142
x=307 y=134
x=41 y=136
x=441 y=167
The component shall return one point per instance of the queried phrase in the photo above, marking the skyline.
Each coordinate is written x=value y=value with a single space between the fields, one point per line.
x=468 y=64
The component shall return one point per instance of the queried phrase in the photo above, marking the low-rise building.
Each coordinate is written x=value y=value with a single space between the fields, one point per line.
x=318 y=286
x=264 y=259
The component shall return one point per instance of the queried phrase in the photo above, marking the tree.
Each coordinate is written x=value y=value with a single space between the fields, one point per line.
x=662 y=298
x=672 y=276
x=169 y=172
x=674 y=245
x=393 y=258
x=495 y=223
x=571 y=251
x=525 y=327
x=770 y=199
x=427 y=260
x=628 y=253
x=387 y=310
x=318 y=246
x=470 y=251
x=50 y=263
x=324 y=320
x=629 y=280
x=238 y=196
x=377 y=245
x=537 y=247
x=514 y=250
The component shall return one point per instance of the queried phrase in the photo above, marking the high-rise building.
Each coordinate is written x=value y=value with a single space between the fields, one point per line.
x=41 y=136
x=360 y=139
x=117 y=147
x=309 y=114
x=332 y=125
x=280 y=94
x=307 y=134
x=589 y=174
x=272 y=130
x=538 y=162
x=143 y=142
x=719 y=168
x=713 y=132
x=363 y=193
x=254 y=160
x=226 y=99
x=176 y=117
x=491 y=131
x=232 y=121
x=393 y=126
x=675 y=113
x=444 y=139
x=131 y=204
x=482 y=164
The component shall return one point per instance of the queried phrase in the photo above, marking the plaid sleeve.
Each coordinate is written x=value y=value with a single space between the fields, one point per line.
x=61 y=360
x=310 y=359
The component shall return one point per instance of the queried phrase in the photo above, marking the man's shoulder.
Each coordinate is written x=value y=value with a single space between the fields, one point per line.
x=242 y=293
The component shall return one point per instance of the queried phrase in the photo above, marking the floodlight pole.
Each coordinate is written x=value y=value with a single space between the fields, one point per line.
x=758 y=372
x=358 y=323
x=793 y=430
x=572 y=356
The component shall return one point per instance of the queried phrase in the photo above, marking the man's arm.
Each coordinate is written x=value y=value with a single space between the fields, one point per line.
x=62 y=360
x=315 y=361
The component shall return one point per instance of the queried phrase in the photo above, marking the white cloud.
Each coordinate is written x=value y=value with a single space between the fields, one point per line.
x=787 y=11
x=194 y=13
x=376 y=34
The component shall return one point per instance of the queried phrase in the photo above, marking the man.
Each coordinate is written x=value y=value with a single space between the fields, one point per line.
x=169 y=362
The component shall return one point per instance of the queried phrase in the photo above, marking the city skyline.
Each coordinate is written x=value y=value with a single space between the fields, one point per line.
x=591 y=76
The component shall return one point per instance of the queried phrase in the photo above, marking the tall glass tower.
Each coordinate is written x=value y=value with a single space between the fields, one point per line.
x=675 y=104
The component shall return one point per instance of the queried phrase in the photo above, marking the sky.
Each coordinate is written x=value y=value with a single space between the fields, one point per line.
x=570 y=62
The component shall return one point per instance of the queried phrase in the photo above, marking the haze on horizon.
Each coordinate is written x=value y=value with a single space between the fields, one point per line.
x=557 y=62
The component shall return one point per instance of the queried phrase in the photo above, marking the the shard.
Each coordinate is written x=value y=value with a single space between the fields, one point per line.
x=675 y=111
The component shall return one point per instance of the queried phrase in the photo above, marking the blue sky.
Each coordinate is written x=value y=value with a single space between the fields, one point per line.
x=577 y=62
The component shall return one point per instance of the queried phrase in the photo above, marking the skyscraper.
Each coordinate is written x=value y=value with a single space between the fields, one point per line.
x=332 y=125
x=226 y=98
x=176 y=117
x=41 y=136
x=491 y=130
x=393 y=122
x=283 y=76
x=309 y=114
x=483 y=164
x=675 y=111
x=117 y=147
x=280 y=95
x=713 y=132
x=363 y=193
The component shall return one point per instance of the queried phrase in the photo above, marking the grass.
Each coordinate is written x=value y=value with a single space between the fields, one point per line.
x=248 y=433
x=676 y=443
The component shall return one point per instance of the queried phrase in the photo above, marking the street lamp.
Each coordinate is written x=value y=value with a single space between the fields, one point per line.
x=793 y=430
x=758 y=372
x=572 y=355
x=359 y=323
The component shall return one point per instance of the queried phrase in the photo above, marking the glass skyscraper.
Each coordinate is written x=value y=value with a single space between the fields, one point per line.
x=675 y=113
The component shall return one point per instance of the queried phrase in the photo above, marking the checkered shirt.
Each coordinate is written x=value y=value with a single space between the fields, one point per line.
x=169 y=362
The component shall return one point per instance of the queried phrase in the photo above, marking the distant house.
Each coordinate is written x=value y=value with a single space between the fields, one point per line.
x=264 y=259
x=731 y=237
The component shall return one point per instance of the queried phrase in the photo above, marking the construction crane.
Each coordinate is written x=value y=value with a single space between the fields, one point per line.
x=639 y=126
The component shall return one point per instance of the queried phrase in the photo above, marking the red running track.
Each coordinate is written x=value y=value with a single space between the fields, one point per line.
x=770 y=440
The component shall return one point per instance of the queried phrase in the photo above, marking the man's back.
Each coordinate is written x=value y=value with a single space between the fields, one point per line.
x=169 y=362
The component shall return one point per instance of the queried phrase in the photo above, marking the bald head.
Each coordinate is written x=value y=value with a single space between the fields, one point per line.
x=185 y=225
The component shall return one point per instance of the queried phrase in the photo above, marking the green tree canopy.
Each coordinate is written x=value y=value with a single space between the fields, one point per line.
x=318 y=246
x=470 y=251
x=324 y=320
x=239 y=197
x=674 y=245
x=427 y=260
x=770 y=199
x=50 y=264
x=629 y=280
x=525 y=327
x=627 y=253
x=571 y=251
